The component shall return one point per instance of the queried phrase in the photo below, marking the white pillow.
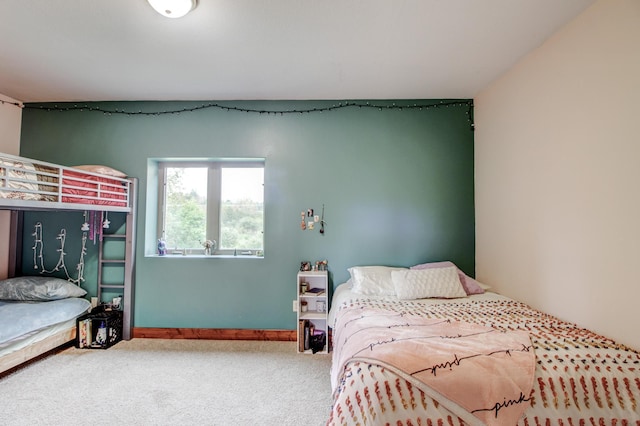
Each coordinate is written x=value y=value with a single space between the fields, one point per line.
x=373 y=280
x=103 y=170
x=424 y=283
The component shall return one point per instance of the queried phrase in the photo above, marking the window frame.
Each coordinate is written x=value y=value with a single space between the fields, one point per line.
x=214 y=193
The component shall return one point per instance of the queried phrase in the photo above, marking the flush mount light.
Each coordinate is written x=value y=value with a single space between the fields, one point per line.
x=173 y=8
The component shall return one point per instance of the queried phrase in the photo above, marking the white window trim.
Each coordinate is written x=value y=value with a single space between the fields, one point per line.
x=214 y=189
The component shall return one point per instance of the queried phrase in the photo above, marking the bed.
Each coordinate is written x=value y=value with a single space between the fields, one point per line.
x=418 y=347
x=27 y=183
x=32 y=185
x=37 y=314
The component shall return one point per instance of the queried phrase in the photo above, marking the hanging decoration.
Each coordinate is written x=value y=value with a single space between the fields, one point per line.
x=423 y=106
x=309 y=220
x=96 y=225
x=106 y=222
x=38 y=257
x=322 y=222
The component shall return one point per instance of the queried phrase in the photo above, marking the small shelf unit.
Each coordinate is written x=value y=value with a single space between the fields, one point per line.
x=313 y=318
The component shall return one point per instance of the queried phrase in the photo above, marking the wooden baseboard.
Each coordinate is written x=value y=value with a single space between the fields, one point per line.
x=214 y=334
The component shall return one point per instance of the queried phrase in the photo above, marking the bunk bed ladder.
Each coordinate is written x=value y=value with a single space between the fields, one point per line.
x=127 y=261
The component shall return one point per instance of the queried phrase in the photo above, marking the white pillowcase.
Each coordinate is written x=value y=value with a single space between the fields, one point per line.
x=103 y=170
x=425 y=283
x=373 y=280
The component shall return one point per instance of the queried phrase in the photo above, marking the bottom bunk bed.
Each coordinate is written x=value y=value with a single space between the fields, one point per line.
x=36 y=344
x=37 y=314
x=411 y=347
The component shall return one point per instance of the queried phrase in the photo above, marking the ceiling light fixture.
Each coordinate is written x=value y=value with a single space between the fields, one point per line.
x=173 y=8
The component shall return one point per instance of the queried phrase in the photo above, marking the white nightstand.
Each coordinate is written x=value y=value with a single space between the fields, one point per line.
x=313 y=310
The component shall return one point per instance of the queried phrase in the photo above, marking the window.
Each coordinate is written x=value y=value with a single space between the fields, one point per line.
x=221 y=201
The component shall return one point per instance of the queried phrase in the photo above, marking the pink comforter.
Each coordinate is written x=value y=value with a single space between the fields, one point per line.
x=100 y=190
x=483 y=375
x=581 y=378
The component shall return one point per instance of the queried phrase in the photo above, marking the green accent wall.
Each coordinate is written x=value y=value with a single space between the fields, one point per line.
x=397 y=186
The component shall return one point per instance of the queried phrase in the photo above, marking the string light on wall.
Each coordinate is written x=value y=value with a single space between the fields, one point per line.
x=225 y=107
x=94 y=223
x=38 y=257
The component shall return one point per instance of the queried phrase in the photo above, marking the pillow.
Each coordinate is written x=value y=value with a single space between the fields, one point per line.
x=373 y=280
x=425 y=283
x=24 y=171
x=103 y=170
x=38 y=289
x=470 y=285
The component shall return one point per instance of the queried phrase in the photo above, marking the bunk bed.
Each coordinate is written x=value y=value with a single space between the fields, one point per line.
x=32 y=185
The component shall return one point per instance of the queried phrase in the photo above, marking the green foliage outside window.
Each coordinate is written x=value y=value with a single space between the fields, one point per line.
x=241 y=222
x=241 y=225
x=185 y=213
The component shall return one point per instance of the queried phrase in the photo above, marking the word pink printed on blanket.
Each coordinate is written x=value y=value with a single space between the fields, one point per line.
x=477 y=372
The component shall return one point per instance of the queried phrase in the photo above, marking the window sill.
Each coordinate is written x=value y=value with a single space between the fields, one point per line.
x=203 y=256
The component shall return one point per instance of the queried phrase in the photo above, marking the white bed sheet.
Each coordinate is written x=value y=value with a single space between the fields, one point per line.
x=34 y=337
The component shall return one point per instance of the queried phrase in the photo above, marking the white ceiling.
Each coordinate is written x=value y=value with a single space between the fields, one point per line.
x=93 y=50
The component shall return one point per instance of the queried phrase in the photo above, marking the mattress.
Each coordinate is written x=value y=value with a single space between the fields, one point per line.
x=19 y=319
x=579 y=377
x=34 y=337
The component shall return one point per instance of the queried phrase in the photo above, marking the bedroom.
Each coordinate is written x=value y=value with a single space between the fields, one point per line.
x=549 y=168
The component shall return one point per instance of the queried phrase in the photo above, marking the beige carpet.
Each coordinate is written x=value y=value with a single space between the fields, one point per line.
x=171 y=382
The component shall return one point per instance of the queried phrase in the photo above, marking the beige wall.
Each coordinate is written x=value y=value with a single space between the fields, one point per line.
x=10 y=120
x=558 y=174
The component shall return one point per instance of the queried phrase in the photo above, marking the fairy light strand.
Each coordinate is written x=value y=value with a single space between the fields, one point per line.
x=38 y=256
x=213 y=105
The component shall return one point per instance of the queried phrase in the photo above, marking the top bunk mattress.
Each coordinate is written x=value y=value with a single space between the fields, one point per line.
x=33 y=184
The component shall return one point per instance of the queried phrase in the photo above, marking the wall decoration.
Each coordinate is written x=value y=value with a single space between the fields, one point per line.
x=309 y=220
x=322 y=222
x=340 y=105
x=305 y=266
x=38 y=257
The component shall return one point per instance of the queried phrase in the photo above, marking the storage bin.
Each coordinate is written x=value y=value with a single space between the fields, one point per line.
x=99 y=329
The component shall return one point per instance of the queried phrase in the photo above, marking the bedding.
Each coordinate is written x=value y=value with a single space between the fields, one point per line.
x=8 y=349
x=18 y=180
x=20 y=318
x=26 y=347
x=37 y=314
x=38 y=289
x=30 y=180
x=470 y=285
x=79 y=187
x=579 y=377
x=374 y=280
x=103 y=170
x=425 y=283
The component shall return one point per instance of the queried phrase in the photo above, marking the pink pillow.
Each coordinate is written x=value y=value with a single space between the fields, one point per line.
x=470 y=285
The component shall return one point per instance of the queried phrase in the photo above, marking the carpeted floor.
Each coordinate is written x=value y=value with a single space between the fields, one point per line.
x=171 y=382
